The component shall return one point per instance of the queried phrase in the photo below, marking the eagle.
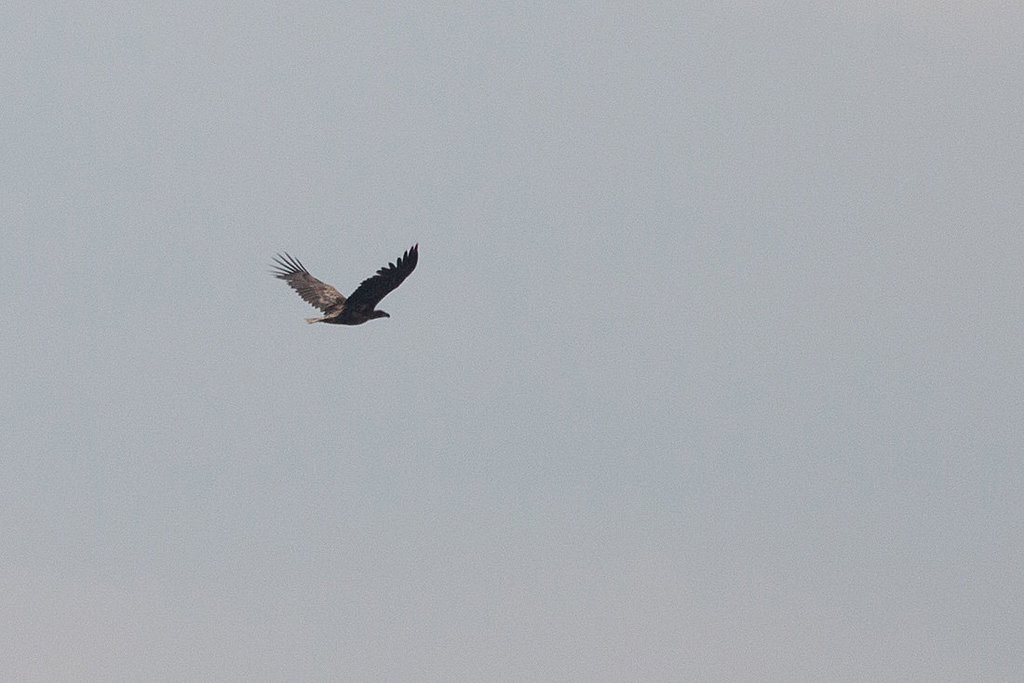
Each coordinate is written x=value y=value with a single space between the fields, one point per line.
x=361 y=304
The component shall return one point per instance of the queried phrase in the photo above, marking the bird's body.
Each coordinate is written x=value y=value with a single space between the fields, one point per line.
x=359 y=306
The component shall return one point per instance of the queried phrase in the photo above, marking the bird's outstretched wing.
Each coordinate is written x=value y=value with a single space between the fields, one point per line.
x=320 y=294
x=369 y=293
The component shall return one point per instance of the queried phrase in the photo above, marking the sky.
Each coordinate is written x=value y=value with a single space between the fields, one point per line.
x=710 y=368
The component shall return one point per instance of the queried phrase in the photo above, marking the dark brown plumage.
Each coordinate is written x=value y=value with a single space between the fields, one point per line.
x=359 y=306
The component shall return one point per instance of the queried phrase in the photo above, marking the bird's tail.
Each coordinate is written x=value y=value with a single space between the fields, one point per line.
x=314 y=320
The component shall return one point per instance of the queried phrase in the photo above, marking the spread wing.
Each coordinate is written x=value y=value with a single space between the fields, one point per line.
x=369 y=293
x=320 y=294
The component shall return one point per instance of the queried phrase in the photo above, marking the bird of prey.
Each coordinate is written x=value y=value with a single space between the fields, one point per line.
x=359 y=306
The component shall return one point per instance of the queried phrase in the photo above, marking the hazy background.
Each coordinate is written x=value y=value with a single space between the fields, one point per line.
x=711 y=367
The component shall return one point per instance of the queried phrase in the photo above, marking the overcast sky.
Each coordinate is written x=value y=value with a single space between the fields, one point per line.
x=710 y=369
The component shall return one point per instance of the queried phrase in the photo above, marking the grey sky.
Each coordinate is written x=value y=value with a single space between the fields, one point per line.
x=710 y=369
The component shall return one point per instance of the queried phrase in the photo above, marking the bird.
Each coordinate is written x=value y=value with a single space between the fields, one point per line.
x=360 y=305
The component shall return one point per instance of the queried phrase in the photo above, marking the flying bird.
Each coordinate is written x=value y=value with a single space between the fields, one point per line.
x=361 y=304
